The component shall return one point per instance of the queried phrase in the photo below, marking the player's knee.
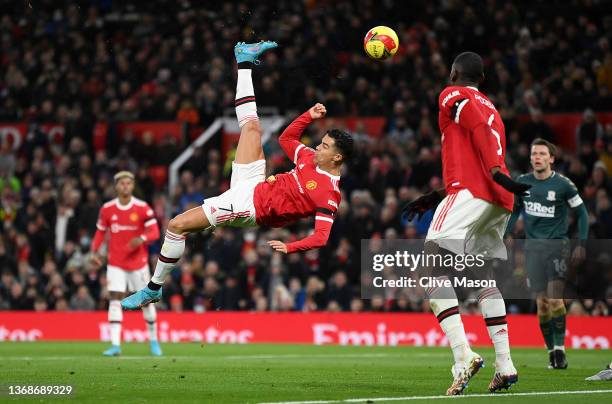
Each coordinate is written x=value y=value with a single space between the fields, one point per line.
x=555 y=304
x=543 y=305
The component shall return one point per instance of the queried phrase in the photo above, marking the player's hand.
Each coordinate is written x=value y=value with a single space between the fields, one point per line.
x=278 y=246
x=421 y=205
x=579 y=255
x=95 y=260
x=135 y=242
x=510 y=185
x=318 y=111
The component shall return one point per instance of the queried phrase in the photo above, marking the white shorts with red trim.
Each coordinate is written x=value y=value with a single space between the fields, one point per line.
x=122 y=280
x=235 y=206
x=464 y=224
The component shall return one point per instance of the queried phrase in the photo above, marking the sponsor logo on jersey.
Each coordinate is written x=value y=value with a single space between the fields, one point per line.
x=212 y=210
x=134 y=217
x=551 y=196
x=449 y=96
x=537 y=209
x=301 y=166
x=311 y=185
x=114 y=217
x=116 y=228
x=332 y=203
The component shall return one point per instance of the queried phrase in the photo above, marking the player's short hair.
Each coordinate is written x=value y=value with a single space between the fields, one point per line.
x=552 y=149
x=343 y=143
x=123 y=174
x=470 y=66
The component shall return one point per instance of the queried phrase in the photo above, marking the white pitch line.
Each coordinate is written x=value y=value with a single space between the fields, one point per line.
x=69 y=358
x=301 y=356
x=411 y=398
x=320 y=356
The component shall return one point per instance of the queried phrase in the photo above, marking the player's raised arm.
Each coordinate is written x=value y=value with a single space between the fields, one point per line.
x=289 y=140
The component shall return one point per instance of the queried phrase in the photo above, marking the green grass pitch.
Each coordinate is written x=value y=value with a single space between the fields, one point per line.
x=194 y=372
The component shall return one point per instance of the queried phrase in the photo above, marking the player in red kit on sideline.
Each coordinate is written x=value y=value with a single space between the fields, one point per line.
x=310 y=189
x=476 y=204
x=131 y=225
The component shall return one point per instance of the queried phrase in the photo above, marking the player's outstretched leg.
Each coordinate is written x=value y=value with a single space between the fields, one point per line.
x=249 y=145
x=493 y=310
x=174 y=245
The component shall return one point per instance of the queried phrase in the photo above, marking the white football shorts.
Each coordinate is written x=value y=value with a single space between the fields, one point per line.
x=235 y=206
x=121 y=280
x=464 y=224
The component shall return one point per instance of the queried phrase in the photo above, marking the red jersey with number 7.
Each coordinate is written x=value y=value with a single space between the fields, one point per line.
x=461 y=110
x=305 y=191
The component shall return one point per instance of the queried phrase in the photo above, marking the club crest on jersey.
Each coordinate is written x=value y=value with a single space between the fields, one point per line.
x=134 y=217
x=311 y=185
x=551 y=196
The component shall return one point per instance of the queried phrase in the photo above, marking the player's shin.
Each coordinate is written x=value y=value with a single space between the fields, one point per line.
x=493 y=309
x=246 y=108
x=558 y=326
x=115 y=317
x=547 y=330
x=150 y=316
x=171 y=252
x=445 y=306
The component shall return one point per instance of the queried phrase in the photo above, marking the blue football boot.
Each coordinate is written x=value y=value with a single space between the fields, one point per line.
x=141 y=298
x=155 y=348
x=114 y=350
x=249 y=52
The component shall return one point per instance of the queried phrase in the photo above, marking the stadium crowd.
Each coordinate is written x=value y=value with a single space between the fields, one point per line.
x=78 y=63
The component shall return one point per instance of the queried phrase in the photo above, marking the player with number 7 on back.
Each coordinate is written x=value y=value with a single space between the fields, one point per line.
x=471 y=215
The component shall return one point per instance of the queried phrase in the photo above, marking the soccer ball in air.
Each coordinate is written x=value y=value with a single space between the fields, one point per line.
x=381 y=42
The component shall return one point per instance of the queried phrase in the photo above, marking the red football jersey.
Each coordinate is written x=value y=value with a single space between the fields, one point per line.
x=304 y=191
x=462 y=109
x=124 y=222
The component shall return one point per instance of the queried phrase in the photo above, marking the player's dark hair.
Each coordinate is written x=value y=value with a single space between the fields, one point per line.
x=343 y=143
x=470 y=66
x=552 y=149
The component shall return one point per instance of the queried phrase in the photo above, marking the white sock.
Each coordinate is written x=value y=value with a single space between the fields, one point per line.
x=150 y=315
x=445 y=306
x=493 y=310
x=246 y=108
x=171 y=251
x=115 y=316
x=559 y=347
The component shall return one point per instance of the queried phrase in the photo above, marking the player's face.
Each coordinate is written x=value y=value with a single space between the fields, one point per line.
x=541 y=158
x=124 y=187
x=326 y=152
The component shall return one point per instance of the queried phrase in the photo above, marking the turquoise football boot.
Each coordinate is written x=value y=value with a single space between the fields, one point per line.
x=155 y=348
x=250 y=52
x=141 y=298
x=114 y=350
